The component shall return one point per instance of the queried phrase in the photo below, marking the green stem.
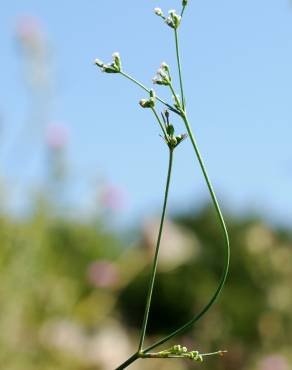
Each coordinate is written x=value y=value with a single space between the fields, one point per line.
x=183 y=10
x=160 y=123
x=219 y=353
x=227 y=245
x=126 y=75
x=155 y=260
x=138 y=354
x=128 y=362
x=176 y=100
x=179 y=67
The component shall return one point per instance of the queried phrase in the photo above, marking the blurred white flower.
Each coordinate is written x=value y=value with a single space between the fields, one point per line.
x=178 y=245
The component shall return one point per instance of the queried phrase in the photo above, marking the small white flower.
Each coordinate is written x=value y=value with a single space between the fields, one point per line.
x=116 y=55
x=158 y=11
x=99 y=63
x=172 y=11
x=162 y=73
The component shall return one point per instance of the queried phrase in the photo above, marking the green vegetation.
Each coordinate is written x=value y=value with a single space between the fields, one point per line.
x=72 y=295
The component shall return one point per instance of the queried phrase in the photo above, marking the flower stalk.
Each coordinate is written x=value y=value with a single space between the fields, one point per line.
x=163 y=77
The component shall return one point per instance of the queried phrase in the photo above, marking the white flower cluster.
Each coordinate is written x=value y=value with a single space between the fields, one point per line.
x=114 y=67
x=162 y=76
x=173 y=20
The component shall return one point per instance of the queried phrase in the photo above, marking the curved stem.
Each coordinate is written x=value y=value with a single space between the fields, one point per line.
x=126 y=75
x=179 y=67
x=155 y=260
x=227 y=244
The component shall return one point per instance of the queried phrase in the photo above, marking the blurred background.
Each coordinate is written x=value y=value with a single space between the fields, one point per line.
x=82 y=174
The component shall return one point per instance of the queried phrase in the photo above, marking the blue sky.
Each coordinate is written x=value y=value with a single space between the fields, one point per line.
x=237 y=59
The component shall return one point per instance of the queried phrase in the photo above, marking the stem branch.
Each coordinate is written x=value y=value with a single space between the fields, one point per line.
x=132 y=79
x=179 y=67
x=155 y=260
x=130 y=360
x=227 y=244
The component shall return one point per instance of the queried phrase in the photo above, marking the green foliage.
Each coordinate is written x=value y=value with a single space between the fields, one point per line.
x=44 y=277
x=51 y=310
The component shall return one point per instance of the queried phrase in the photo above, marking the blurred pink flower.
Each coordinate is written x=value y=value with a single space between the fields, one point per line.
x=57 y=136
x=274 y=362
x=103 y=274
x=29 y=29
x=112 y=198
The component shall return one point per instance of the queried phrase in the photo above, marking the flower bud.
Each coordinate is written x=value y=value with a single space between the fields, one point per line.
x=144 y=103
x=180 y=138
x=158 y=12
x=152 y=94
x=164 y=67
x=99 y=63
x=177 y=348
x=109 y=68
x=170 y=130
x=117 y=60
x=200 y=358
x=185 y=3
x=173 y=20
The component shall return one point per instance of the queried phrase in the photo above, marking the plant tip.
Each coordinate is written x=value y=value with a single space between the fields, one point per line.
x=158 y=12
x=98 y=62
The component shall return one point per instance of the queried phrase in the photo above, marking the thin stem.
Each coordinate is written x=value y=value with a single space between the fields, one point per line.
x=155 y=260
x=135 y=81
x=159 y=355
x=128 y=362
x=179 y=67
x=160 y=123
x=176 y=100
x=227 y=244
x=219 y=353
x=183 y=10
x=186 y=355
x=126 y=75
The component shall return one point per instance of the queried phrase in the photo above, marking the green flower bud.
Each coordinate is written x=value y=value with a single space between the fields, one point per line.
x=200 y=358
x=170 y=130
x=117 y=61
x=152 y=94
x=160 y=82
x=144 y=103
x=180 y=138
x=185 y=3
x=99 y=63
x=109 y=68
x=177 y=348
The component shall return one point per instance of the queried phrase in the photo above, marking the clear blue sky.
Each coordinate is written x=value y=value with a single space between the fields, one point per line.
x=237 y=59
